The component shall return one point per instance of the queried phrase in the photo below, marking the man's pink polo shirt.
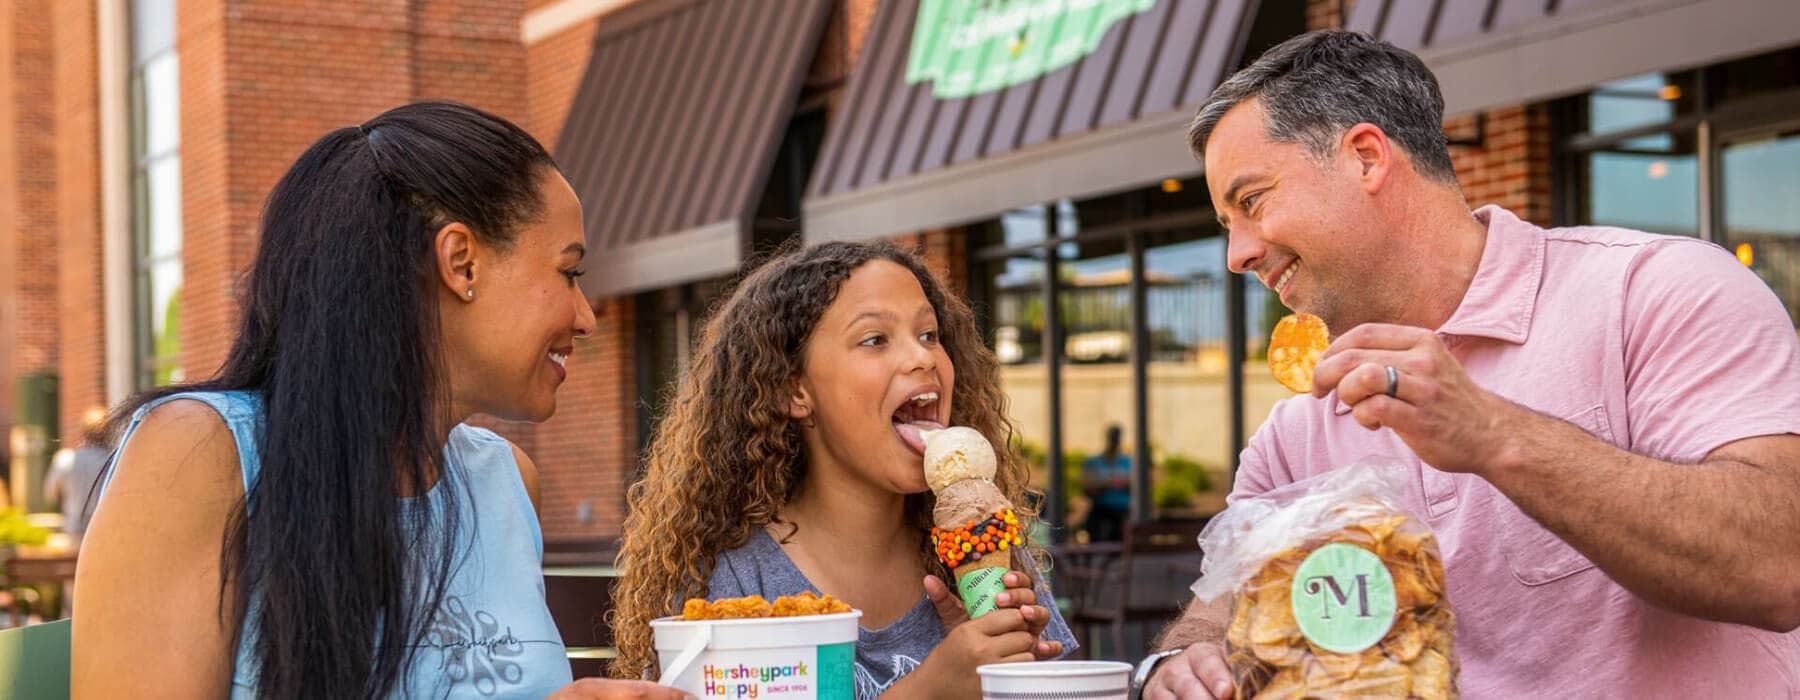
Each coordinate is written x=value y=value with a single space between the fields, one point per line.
x=1664 y=346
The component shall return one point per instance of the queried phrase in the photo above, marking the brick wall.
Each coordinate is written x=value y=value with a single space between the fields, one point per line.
x=262 y=81
x=1508 y=165
x=556 y=65
x=585 y=453
x=1511 y=166
x=1323 y=14
x=208 y=258
x=846 y=31
x=31 y=288
x=28 y=203
x=945 y=252
x=858 y=17
x=259 y=83
x=9 y=204
x=81 y=303
x=469 y=50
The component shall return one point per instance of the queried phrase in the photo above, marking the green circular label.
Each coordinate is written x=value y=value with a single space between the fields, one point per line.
x=1343 y=598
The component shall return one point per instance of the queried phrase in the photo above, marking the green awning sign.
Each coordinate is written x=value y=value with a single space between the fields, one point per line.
x=969 y=47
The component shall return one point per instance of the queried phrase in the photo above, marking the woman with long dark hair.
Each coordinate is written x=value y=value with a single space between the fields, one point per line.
x=316 y=520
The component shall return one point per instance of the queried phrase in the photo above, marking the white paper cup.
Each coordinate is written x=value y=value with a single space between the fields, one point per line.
x=1056 y=680
x=809 y=657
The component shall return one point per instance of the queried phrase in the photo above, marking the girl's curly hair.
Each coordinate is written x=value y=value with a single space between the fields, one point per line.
x=726 y=457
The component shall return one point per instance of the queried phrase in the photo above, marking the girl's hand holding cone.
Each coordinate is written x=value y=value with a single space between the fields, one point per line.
x=1019 y=594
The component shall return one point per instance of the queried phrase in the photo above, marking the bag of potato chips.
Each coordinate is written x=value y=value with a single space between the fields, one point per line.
x=1336 y=591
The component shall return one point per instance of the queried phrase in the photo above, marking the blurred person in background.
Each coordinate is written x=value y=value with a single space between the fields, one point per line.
x=75 y=470
x=1106 y=480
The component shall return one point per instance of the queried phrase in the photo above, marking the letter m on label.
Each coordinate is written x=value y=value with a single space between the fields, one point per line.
x=1328 y=586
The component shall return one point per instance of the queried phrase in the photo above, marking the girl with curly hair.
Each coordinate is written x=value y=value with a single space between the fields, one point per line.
x=790 y=460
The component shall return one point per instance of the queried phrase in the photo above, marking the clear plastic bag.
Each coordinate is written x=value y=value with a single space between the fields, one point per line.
x=1336 y=590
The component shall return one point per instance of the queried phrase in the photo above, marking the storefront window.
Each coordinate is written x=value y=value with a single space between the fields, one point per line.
x=1096 y=215
x=1098 y=421
x=1022 y=227
x=669 y=324
x=1189 y=410
x=1155 y=255
x=1015 y=332
x=156 y=187
x=1762 y=210
x=1647 y=184
x=1642 y=101
x=1754 y=76
x=1639 y=152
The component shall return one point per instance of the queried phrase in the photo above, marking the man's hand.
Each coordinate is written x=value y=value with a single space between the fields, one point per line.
x=1197 y=673
x=1452 y=424
x=1737 y=503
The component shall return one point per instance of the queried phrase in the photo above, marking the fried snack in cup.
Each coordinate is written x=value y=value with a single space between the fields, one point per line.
x=726 y=608
x=804 y=604
x=807 y=603
x=1294 y=350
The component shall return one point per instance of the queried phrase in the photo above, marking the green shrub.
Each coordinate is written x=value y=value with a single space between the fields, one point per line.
x=1173 y=493
x=16 y=530
x=1185 y=469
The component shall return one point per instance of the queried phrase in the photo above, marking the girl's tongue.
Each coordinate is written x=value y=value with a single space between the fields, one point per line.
x=910 y=433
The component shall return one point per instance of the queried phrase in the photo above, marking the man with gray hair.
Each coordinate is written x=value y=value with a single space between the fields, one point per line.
x=1603 y=425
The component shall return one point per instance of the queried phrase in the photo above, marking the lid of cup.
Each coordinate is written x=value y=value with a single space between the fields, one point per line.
x=1040 y=669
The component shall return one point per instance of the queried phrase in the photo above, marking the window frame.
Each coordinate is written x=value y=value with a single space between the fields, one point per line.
x=1141 y=227
x=146 y=364
x=1713 y=124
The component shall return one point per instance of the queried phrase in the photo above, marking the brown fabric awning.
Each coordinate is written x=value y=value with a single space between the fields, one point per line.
x=1491 y=53
x=898 y=158
x=673 y=131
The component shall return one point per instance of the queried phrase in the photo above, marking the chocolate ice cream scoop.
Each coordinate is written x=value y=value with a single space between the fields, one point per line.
x=967 y=501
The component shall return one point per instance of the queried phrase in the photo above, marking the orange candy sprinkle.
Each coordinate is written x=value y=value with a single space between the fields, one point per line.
x=997 y=533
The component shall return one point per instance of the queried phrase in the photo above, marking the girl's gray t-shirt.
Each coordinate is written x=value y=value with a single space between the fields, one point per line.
x=883 y=656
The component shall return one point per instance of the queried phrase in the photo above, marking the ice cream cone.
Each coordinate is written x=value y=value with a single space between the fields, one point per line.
x=979 y=582
x=970 y=512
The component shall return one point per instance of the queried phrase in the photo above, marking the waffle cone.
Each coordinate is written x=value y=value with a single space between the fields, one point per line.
x=979 y=583
x=991 y=560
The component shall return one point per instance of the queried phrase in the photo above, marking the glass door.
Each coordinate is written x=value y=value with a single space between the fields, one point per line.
x=1760 y=207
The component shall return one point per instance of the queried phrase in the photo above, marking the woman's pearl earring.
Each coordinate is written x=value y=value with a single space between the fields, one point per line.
x=471 y=294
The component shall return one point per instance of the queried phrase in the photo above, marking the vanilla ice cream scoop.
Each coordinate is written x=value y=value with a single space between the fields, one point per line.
x=956 y=454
